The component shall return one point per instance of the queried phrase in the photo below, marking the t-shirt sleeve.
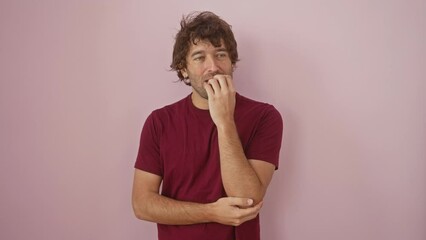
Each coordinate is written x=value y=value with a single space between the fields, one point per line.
x=266 y=142
x=148 y=158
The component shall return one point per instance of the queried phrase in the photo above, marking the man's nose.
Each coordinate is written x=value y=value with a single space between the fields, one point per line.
x=212 y=64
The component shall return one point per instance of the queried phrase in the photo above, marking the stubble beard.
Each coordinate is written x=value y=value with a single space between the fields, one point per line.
x=200 y=89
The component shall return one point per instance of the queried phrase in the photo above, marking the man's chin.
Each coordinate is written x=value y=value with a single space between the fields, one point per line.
x=202 y=94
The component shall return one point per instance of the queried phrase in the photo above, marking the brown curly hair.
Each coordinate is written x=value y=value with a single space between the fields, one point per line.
x=198 y=26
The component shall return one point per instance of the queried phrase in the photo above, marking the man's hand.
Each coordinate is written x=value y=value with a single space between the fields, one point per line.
x=234 y=211
x=221 y=97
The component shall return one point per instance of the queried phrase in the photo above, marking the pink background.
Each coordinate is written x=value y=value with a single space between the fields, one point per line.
x=78 y=79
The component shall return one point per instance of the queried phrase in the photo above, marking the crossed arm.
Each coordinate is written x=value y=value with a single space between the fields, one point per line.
x=240 y=176
x=149 y=205
x=245 y=180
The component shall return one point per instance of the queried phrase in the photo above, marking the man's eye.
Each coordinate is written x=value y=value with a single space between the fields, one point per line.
x=200 y=58
x=221 y=55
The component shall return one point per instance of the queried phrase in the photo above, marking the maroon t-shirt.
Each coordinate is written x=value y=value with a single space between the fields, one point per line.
x=179 y=142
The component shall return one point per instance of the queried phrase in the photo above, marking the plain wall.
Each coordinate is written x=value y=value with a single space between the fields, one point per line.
x=78 y=79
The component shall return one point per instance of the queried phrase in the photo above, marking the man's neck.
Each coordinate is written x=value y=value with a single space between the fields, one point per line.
x=199 y=102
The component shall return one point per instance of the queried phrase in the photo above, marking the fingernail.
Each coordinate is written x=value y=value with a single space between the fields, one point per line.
x=250 y=201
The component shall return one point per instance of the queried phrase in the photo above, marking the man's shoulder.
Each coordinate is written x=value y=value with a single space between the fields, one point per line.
x=253 y=105
x=172 y=108
x=256 y=111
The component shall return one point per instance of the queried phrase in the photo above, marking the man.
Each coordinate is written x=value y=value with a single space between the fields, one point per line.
x=214 y=152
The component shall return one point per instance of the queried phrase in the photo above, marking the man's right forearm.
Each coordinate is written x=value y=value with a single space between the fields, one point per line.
x=160 y=209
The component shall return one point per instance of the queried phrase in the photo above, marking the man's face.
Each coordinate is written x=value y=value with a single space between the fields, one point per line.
x=203 y=62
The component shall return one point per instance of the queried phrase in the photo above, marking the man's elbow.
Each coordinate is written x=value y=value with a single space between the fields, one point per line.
x=256 y=195
x=138 y=210
x=258 y=198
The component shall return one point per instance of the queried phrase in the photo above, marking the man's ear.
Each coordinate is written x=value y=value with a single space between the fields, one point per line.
x=184 y=73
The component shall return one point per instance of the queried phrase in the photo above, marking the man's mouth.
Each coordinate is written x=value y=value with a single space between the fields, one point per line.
x=209 y=77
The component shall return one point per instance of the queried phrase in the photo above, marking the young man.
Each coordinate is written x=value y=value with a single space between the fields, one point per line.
x=214 y=152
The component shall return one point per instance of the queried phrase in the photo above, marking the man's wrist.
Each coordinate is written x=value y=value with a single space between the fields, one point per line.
x=226 y=125
x=209 y=212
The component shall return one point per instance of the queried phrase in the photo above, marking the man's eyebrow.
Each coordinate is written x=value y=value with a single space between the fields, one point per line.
x=221 y=49
x=197 y=52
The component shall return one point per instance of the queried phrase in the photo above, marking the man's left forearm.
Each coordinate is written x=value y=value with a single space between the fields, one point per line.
x=238 y=176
